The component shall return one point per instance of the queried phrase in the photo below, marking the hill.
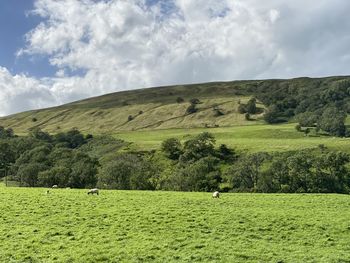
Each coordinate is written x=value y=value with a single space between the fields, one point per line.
x=165 y=107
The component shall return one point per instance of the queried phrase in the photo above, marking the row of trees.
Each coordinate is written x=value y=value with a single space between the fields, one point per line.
x=301 y=171
x=74 y=160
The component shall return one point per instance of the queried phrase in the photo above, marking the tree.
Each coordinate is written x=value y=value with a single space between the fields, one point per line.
x=245 y=173
x=84 y=171
x=38 y=134
x=7 y=155
x=332 y=174
x=201 y=175
x=128 y=172
x=226 y=154
x=272 y=115
x=6 y=133
x=251 y=106
x=28 y=173
x=332 y=121
x=58 y=175
x=72 y=139
x=198 y=147
x=172 y=148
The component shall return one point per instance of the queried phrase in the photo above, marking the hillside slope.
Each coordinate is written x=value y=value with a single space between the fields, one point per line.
x=157 y=108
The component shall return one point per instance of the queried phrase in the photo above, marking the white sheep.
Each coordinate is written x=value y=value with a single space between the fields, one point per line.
x=55 y=186
x=93 y=191
x=216 y=194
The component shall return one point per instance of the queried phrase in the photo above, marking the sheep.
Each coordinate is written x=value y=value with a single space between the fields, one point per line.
x=216 y=194
x=93 y=191
x=55 y=186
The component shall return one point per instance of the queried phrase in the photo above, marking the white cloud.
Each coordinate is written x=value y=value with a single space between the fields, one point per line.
x=127 y=44
x=19 y=93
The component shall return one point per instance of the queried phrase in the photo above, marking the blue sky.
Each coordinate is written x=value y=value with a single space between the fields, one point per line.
x=72 y=49
x=15 y=22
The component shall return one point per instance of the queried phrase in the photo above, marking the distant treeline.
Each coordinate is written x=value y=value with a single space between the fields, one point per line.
x=72 y=159
x=319 y=103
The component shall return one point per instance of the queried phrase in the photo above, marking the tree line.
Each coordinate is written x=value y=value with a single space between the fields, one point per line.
x=71 y=159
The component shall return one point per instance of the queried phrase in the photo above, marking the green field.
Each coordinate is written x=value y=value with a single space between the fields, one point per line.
x=134 y=226
x=254 y=138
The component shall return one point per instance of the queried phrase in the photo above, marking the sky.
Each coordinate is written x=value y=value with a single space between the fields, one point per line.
x=57 y=51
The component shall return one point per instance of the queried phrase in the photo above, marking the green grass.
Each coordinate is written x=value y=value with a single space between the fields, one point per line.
x=135 y=226
x=254 y=138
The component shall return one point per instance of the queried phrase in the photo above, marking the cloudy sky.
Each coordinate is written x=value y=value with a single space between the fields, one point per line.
x=57 y=51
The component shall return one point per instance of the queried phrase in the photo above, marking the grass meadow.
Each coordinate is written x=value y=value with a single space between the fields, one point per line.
x=254 y=138
x=68 y=225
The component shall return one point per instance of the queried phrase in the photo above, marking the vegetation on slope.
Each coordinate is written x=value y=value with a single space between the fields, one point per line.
x=73 y=160
x=320 y=103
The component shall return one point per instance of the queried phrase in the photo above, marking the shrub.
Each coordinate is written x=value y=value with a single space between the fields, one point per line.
x=191 y=109
x=130 y=118
x=195 y=101
x=242 y=109
x=179 y=100
x=172 y=148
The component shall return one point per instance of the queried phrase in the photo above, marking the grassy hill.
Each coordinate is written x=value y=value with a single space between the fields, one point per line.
x=148 y=116
x=156 y=108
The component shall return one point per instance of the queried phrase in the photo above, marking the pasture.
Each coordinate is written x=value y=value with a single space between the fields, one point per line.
x=254 y=138
x=135 y=226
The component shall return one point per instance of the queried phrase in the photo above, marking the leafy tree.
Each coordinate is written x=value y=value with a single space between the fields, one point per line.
x=84 y=171
x=332 y=174
x=127 y=172
x=201 y=175
x=251 y=106
x=7 y=155
x=6 y=133
x=332 y=120
x=226 y=154
x=307 y=119
x=172 y=148
x=28 y=173
x=38 y=134
x=198 y=147
x=272 y=115
x=72 y=139
x=58 y=175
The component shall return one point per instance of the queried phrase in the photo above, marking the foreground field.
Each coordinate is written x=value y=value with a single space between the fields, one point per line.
x=254 y=138
x=125 y=226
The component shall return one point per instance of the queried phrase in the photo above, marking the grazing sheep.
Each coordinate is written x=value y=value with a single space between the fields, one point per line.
x=216 y=194
x=93 y=191
x=55 y=186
